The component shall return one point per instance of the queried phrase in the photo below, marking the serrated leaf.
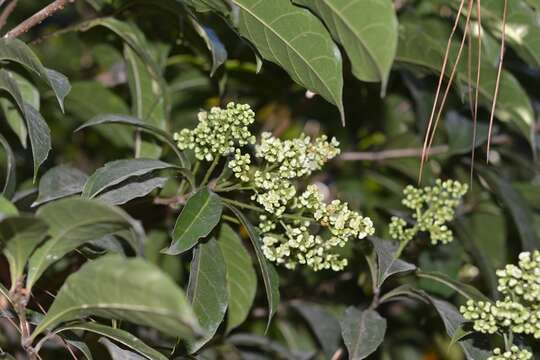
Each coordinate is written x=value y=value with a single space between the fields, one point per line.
x=10 y=181
x=363 y=331
x=17 y=51
x=297 y=41
x=73 y=222
x=21 y=235
x=268 y=273
x=241 y=277
x=388 y=264
x=135 y=122
x=115 y=172
x=325 y=326
x=124 y=289
x=198 y=218
x=207 y=289
x=121 y=336
x=58 y=182
x=367 y=29
x=123 y=193
x=422 y=42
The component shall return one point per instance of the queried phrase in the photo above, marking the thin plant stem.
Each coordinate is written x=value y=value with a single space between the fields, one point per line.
x=210 y=171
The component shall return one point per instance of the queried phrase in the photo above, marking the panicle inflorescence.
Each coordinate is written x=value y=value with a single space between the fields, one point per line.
x=219 y=132
x=433 y=207
x=515 y=353
x=519 y=311
x=288 y=225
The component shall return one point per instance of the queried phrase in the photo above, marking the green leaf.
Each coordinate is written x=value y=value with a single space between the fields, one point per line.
x=241 y=277
x=7 y=208
x=219 y=6
x=297 y=41
x=132 y=121
x=464 y=290
x=17 y=51
x=81 y=346
x=124 y=289
x=207 y=289
x=73 y=222
x=213 y=43
x=363 y=331
x=520 y=212
x=121 y=194
x=198 y=218
x=10 y=182
x=460 y=133
x=115 y=172
x=38 y=131
x=58 y=182
x=387 y=261
x=117 y=353
x=367 y=30
x=422 y=42
x=453 y=320
x=121 y=336
x=325 y=326
x=269 y=274
x=21 y=234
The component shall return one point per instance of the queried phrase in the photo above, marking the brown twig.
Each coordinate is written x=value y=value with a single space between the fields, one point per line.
x=478 y=68
x=499 y=72
x=6 y=12
x=37 y=18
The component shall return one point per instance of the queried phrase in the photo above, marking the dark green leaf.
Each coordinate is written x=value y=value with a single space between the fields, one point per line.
x=213 y=43
x=124 y=289
x=10 y=182
x=121 y=194
x=464 y=290
x=17 y=51
x=269 y=274
x=460 y=133
x=60 y=181
x=324 y=325
x=121 y=336
x=73 y=222
x=198 y=218
x=387 y=261
x=363 y=331
x=21 y=234
x=117 y=353
x=241 y=277
x=115 y=172
x=219 y=6
x=81 y=346
x=297 y=41
x=7 y=208
x=368 y=31
x=207 y=289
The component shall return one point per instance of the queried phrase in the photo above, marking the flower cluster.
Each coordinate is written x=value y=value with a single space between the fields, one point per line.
x=515 y=353
x=296 y=229
x=519 y=311
x=219 y=132
x=433 y=207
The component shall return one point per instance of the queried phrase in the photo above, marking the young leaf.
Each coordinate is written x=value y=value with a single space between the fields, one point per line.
x=73 y=222
x=10 y=182
x=387 y=261
x=198 y=218
x=21 y=235
x=363 y=331
x=121 y=336
x=17 y=51
x=58 y=182
x=241 y=277
x=124 y=289
x=368 y=31
x=325 y=326
x=297 y=41
x=269 y=274
x=207 y=289
x=115 y=172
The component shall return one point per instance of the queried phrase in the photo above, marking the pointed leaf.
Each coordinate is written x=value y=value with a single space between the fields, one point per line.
x=10 y=182
x=213 y=43
x=198 y=218
x=269 y=274
x=207 y=289
x=21 y=234
x=297 y=41
x=115 y=172
x=60 y=181
x=117 y=353
x=121 y=336
x=241 y=277
x=124 y=289
x=121 y=194
x=368 y=30
x=73 y=222
x=363 y=331
x=387 y=261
